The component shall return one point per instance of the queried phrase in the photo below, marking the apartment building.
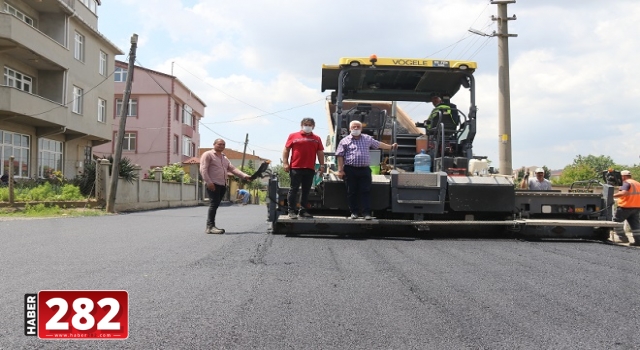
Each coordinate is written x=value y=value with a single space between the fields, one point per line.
x=57 y=90
x=162 y=119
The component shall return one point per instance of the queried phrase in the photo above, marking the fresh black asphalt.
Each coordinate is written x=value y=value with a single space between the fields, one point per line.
x=248 y=289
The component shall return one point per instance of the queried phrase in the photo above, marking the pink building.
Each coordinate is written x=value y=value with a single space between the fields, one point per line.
x=162 y=119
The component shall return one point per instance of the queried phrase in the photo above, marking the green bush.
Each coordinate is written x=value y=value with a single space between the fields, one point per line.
x=44 y=192
x=39 y=193
x=87 y=180
x=172 y=172
x=71 y=193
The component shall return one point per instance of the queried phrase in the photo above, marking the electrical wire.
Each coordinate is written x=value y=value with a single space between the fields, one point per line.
x=75 y=98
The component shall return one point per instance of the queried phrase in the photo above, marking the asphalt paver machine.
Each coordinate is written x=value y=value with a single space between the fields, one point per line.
x=460 y=193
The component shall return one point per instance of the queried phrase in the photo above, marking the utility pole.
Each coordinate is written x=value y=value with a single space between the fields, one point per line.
x=115 y=167
x=504 y=96
x=244 y=154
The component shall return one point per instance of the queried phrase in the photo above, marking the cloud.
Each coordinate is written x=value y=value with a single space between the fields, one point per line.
x=572 y=68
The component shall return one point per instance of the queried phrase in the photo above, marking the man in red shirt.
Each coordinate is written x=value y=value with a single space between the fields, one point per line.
x=303 y=146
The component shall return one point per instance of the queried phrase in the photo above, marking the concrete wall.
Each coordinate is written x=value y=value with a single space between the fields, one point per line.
x=145 y=194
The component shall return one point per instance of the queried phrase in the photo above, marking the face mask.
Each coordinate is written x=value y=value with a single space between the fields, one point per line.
x=307 y=129
x=356 y=132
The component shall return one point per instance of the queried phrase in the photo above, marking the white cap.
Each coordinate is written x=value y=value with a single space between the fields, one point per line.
x=625 y=172
x=539 y=170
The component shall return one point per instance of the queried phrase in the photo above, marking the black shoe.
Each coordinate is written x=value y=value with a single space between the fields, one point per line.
x=302 y=214
x=292 y=215
x=634 y=244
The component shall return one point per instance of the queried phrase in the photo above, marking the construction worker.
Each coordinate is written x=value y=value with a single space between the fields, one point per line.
x=628 y=208
x=447 y=109
x=539 y=183
x=243 y=195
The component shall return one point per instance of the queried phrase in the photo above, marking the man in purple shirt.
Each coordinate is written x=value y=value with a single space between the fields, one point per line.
x=353 y=166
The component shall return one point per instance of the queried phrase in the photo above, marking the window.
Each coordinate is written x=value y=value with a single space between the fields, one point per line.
x=129 y=142
x=49 y=157
x=78 y=52
x=18 y=14
x=102 y=110
x=91 y=4
x=176 y=144
x=177 y=111
x=16 y=145
x=102 y=68
x=186 y=146
x=17 y=80
x=120 y=75
x=132 y=111
x=77 y=100
x=187 y=117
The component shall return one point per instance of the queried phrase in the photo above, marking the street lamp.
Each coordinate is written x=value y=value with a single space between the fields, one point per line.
x=477 y=32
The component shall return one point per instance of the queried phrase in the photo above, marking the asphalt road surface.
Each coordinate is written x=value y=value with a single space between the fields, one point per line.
x=248 y=289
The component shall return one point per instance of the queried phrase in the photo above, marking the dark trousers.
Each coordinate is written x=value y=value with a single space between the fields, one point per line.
x=304 y=178
x=632 y=216
x=358 y=180
x=215 y=197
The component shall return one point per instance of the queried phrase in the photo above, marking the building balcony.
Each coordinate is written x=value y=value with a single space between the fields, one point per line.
x=47 y=116
x=24 y=108
x=30 y=46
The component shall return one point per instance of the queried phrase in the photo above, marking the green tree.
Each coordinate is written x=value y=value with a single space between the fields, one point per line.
x=586 y=168
x=283 y=177
x=580 y=172
x=547 y=172
x=597 y=163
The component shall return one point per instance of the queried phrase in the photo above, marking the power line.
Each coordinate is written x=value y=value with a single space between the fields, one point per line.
x=264 y=115
x=241 y=101
x=75 y=98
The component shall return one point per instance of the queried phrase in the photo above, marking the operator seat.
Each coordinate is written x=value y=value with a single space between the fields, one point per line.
x=450 y=126
x=372 y=118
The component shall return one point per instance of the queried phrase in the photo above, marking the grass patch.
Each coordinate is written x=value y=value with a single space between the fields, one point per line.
x=43 y=211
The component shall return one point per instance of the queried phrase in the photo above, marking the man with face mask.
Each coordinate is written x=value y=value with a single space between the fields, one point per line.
x=303 y=146
x=353 y=165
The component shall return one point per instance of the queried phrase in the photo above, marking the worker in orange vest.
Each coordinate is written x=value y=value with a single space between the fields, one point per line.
x=628 y=208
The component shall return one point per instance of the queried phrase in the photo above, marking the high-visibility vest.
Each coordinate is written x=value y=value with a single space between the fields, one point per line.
x=632 y=198
x=446 y=111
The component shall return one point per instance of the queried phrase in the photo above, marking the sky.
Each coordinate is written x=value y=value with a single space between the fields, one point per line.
x=257 y=65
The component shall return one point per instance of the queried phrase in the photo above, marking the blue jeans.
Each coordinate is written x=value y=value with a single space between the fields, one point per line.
x=358 y=181
x=304 y=178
